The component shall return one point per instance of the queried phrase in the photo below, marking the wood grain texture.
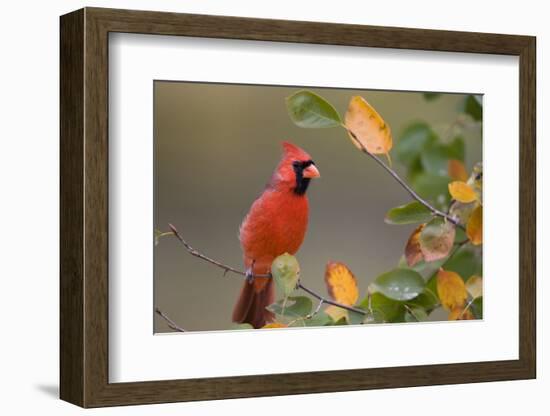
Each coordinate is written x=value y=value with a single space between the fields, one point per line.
x=84 y=206
x=71 y=213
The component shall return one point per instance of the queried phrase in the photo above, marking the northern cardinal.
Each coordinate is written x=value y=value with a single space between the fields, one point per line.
x=275 y=224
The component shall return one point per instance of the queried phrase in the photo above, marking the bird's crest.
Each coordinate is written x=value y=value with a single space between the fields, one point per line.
x=294 y=152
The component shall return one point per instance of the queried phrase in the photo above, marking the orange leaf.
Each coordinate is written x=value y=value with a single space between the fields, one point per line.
x=341 y=283
x=457 y=171
x=413 y=252
x=368 y=126
x=462 y=192
x=474 y=228
x=460 y=314
x=274 y=325
x=451 y=289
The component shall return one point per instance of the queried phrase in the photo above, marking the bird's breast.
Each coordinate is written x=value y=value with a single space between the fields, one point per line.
x=276 y=224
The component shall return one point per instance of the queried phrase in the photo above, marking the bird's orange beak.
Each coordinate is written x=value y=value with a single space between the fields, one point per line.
x=311 y=172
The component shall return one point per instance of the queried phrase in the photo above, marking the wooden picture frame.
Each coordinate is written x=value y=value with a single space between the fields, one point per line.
x=84 y=207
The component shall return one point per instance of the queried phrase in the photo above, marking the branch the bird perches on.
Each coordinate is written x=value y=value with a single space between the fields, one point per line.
x=228 y=269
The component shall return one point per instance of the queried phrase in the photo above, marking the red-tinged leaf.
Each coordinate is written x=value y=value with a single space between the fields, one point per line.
x=413 y=252
x=457 y=171
x=437 y=239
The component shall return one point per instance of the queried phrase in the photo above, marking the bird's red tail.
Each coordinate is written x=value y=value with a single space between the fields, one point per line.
x=252 y=303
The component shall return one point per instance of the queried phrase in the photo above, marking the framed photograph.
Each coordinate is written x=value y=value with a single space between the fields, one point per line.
x=254 y=207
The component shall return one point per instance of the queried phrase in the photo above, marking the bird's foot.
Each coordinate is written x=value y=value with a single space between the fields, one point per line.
x=249 y=274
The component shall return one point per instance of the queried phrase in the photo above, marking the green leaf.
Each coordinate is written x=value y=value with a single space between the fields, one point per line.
x=433 y=188
x=411 y=213
x=412 y=142
x=435 y=156
x=296 y=306
x=430 y=96
x=320 y=319
x=477 y=307
x=356 y=318
x=383 y=308
x=308 y=110
x=457 y=148
x=399 y=284
x=437 y=239
x=415 y=169
x=286 y=273
x=425 y=269
x=415 y=314
x=466 y=262
x=472 y=107
x=427 y=300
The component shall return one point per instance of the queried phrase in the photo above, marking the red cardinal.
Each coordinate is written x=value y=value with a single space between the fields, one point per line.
x=276 y=224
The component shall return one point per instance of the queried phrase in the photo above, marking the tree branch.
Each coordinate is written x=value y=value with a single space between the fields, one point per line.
x=169 y=322
x=196 y=253
x=226 y=268
x=331 y=302
x=411 y=192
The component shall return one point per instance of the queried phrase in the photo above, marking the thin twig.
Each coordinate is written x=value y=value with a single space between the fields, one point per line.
x=331 y=302
x=196 y=253
x=411 y=192
x=169 y=322
x=227 y=268
x=309 y=315
x=411 y=312
x=466 y=308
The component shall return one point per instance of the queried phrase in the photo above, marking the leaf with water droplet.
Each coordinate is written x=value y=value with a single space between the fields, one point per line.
x=399 y=284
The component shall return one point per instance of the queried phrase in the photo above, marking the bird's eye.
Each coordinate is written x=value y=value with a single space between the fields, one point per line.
x=479 y=176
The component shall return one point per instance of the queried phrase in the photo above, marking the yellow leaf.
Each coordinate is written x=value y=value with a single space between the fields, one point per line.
x=457 y=171
x=337 y=313
x=341 y=283
x=451 y=289
x=274 y=325
x=413 y=252
x=462 y=192
x=474 y=286
x=474 y=228
x=460 y=314
x=368 y=127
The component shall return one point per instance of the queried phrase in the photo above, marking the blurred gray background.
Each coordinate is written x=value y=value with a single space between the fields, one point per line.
x=216 y=146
